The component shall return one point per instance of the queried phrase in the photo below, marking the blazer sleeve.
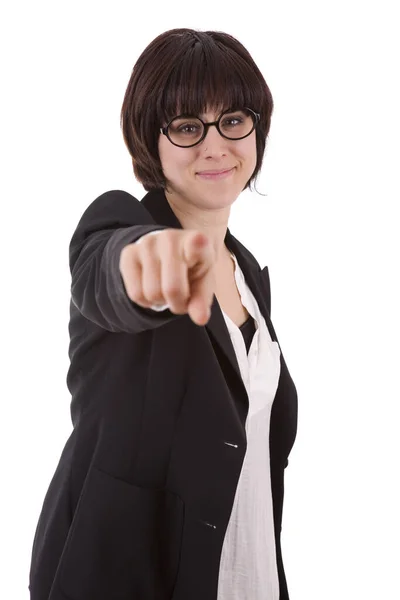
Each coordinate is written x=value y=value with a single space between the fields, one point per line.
x=112 y=221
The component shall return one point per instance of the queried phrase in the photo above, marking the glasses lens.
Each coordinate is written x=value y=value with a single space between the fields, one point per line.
x=186 y=131
x=236 y=124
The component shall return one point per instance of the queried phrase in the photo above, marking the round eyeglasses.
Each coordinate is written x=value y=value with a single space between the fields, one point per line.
x=186 y=131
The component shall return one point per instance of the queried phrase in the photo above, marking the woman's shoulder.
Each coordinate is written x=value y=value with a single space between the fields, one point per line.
x=119 y=203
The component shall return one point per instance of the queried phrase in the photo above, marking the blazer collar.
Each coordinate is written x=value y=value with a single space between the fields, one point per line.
x=257 y=279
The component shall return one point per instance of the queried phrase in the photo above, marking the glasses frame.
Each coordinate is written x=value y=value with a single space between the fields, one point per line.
x=206 y=126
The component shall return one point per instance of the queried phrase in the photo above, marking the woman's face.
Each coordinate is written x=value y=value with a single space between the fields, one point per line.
x=181 y=166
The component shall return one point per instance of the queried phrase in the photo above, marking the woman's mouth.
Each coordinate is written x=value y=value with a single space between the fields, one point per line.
x=216 y=175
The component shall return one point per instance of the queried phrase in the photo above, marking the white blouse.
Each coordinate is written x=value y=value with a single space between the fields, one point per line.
x=248 y=569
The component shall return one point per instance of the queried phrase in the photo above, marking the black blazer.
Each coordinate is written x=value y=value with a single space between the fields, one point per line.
x=139 y=503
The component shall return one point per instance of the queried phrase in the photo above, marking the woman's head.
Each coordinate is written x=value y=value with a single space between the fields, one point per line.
x=201 y=74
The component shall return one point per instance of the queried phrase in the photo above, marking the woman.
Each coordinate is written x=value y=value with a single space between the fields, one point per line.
x=171 y=483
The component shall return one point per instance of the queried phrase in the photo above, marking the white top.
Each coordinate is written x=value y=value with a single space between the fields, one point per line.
x=248 y=569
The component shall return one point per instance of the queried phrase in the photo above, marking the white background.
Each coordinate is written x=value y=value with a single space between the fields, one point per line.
x=328 y=229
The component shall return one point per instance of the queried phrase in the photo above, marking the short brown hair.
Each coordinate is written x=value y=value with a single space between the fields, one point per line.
x=186 y=71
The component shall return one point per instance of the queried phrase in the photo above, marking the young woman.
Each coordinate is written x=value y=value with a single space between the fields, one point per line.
x=171 y=484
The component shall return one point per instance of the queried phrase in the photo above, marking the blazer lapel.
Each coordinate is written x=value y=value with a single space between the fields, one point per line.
x=257 y=279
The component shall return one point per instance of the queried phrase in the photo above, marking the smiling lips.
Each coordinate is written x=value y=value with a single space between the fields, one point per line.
x=215 y=174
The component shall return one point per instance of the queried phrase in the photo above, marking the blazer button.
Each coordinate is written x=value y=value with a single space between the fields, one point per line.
x=230 y=444
x=209 y=524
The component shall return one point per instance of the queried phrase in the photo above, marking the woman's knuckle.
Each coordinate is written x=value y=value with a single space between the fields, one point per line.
x=172 y=289
x=134 y=293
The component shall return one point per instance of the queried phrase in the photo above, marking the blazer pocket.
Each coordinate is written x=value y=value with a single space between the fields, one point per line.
x=124 y=542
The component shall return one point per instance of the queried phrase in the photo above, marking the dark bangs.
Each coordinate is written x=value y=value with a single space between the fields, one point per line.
x=206 y=75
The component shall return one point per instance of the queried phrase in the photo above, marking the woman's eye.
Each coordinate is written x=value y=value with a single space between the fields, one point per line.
x=185 y=127
x=232 y=119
